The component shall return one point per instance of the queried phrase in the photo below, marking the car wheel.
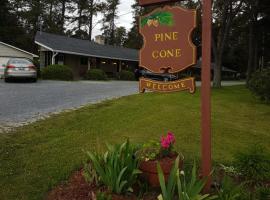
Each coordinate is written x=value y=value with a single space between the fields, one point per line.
x=34 y=80
x=7 y=80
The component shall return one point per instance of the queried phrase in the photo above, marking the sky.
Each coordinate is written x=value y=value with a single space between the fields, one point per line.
x=125 y=17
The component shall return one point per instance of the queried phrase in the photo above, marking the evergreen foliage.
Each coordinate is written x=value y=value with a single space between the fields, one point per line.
x=57 y=72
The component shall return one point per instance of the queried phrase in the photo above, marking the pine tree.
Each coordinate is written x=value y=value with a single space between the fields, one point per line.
x=110 y=15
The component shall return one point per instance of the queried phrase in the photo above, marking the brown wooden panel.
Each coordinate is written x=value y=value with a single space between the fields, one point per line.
x=166 y=87
x=167 y=40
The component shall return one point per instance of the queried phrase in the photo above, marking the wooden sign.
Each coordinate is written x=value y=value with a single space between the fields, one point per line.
x=167 y=40
x=172 y=86
x=149 y=2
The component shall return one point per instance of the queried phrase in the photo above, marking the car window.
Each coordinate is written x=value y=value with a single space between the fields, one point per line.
x=20 y=61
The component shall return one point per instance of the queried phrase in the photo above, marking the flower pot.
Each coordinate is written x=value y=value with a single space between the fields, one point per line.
x=149 y=169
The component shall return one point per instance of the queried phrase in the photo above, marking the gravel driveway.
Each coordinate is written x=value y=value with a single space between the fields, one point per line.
x=22 y=103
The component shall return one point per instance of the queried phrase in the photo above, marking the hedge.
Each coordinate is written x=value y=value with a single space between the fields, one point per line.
x=259 y=84
x=126 y=75
x=57 y=72
x=96 y=74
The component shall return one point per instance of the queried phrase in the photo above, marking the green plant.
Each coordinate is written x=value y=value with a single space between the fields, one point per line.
x=187 y=190
x=229 y=170
x=57 y=72
x=259 y=84
x=153 y=150
x=262 y=193
x=96 y=74
x=254 y=164
x=190 y=190
x=90 y=174
x=163 y=18
x=149 y=151
x=103 y=196
x=117 y=168
x=229 y=190
x=168 y=190
x=126 y=75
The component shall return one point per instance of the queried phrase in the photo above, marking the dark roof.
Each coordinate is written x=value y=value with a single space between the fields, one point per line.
x=69 y=45
x=224 y=69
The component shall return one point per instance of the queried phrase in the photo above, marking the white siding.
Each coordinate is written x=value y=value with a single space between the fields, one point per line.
x=6 y=51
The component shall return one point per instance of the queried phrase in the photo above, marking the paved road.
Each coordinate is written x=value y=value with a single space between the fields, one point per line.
x=25 y=102
x=22 y=103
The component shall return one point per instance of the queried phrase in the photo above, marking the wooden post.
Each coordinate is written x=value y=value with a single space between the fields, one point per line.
x=206 y=92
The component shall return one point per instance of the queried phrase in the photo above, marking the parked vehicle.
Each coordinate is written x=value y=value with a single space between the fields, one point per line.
x=3 y=63
x=20 y=68
x=154 y=76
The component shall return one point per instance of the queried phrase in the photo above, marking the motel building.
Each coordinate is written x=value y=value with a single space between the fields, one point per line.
x=82 y=55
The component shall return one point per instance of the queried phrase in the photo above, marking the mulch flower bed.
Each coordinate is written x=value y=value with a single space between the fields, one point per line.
x=78 y=189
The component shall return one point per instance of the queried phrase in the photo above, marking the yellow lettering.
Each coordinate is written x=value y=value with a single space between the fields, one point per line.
x=169 y=53
x=157 y=37
x=177 y=53
x=175 y=35
x=164 y=87
x=155 y=54
x=148 y=84
x=176 y=86
x=183 y=85
x=154 y=85
x=168 y=36
x=162 y=53
x=170 y=87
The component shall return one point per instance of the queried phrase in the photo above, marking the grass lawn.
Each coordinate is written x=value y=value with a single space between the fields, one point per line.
x=36 y=157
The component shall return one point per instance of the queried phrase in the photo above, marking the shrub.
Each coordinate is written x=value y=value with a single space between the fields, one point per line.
x=95 y=74
x=259 y=84
x=117 y=168
x=187 y=189
x=254 y=164
x=262 y=192
x=57 y=72
x=229 y=190
x=126 y=75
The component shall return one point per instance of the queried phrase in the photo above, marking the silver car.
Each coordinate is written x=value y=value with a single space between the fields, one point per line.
x=20 y=68
x=3 y=64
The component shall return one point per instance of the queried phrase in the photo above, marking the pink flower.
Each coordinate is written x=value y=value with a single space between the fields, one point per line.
x=165 y=143
x=171 y=137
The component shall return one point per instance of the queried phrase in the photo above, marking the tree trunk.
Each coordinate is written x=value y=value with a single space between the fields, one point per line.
x=250 y=68
x=218 y=60
x=256 y=61
x=91 y=19
x=217 y=70
x=63 y=11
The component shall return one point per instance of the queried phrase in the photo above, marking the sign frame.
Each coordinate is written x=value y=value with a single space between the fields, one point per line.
x=189 y=39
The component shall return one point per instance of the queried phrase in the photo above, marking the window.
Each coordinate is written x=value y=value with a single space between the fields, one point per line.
x=59 y=59
x=84 y=61
x=48 y=58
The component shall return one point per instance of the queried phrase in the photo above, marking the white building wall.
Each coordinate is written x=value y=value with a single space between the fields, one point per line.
x=6 y=51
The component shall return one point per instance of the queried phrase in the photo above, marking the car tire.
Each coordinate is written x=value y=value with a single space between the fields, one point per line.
x=7 y=80
x=34 y=80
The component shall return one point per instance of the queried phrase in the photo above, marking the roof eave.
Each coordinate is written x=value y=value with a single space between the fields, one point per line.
x=82 y=54
x=34 y=55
